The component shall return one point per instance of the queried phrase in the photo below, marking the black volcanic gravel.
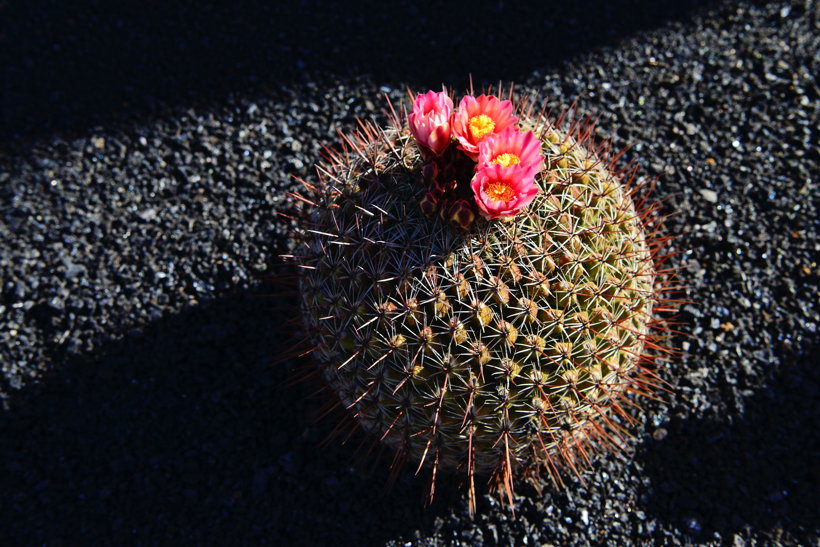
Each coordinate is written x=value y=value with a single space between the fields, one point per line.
x=139 y=244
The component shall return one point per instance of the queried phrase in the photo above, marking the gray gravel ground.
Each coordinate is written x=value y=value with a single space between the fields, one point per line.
x=138 y=241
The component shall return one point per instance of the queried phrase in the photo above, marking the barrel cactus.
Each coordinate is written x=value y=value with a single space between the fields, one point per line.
x=483 y=344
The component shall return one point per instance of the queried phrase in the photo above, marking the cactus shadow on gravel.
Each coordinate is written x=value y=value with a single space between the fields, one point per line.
x=185 y=432
x=760 y=471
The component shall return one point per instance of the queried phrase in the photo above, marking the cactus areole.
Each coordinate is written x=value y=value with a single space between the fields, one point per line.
x=480 y=289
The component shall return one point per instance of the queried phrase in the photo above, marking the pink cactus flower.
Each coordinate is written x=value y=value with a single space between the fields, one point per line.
x=511 y=147
x=430 y=121
x=501 y=192
x=479 y=117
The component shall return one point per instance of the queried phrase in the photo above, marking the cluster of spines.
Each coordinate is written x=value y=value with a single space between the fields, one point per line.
x=511 y=347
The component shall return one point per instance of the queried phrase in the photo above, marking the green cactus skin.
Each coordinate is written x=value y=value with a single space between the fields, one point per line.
x=496 y=351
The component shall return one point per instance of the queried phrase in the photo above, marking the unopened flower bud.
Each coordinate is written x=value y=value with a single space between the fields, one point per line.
x=429 y=204
x=461 y=214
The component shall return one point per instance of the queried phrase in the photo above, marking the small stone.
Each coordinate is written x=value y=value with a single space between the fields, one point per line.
x=73 y=270
x=709 y=195
x=694 y=525
x=148 y=214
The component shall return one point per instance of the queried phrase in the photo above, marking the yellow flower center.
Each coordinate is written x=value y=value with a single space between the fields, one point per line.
x=481 y=126
x=499 y=190
x=507 y=159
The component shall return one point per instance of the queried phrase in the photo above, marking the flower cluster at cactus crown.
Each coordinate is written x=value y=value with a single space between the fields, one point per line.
x=478 y=159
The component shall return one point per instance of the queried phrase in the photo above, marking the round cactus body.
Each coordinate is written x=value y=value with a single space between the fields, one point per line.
x=506 y=346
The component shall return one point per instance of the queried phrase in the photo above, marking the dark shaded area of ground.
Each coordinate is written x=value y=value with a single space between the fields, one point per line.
x=755 y=470
x=184 y=424
x=143 y=164
x=78 y=64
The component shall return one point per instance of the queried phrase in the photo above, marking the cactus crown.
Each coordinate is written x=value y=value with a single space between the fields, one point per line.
x=502 y=348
